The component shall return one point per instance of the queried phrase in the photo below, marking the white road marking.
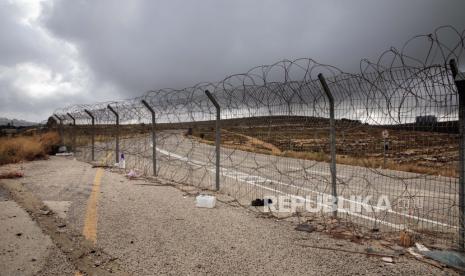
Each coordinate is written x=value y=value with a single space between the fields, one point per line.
x=253 y=180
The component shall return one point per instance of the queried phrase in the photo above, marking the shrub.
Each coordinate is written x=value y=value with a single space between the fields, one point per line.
x=16 y=149
x=48 y=140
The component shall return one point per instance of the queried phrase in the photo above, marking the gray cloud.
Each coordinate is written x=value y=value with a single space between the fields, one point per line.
x=85 y=51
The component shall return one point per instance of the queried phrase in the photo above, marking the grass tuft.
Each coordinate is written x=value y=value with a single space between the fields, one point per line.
x=26 y=148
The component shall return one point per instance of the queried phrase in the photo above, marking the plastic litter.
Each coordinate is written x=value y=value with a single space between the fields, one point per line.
x=64 y=154
x=450 y=258
x=421 y=247
x=205 y=201
x=122 y=162
x=132 y=174
x=387 y=260
x=261 y=202
x=305 y=227
x=412 y=252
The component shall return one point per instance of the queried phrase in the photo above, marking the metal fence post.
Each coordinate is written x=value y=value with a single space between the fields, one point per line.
x=154 y=138
x=93 y=133
x=60 y=129
x=117 y=133
x=459 y=79
x=332 y=142
x=217 y=137
x=72 y=118
x=74 y=131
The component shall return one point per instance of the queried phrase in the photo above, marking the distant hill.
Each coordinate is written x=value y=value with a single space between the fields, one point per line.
x=15 y=122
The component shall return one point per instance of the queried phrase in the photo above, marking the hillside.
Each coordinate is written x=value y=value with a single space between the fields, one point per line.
x=15 y=122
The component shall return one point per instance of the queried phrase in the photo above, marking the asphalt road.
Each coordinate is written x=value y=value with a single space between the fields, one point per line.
x=419 y=202
x=149 y=228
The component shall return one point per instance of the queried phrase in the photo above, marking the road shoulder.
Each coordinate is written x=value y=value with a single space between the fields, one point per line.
x=80 y=253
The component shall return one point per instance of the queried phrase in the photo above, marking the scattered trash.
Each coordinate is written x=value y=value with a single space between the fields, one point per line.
x=449 y=258
x=205 y=201
x=387 y=260
x=11 y=175
x=421 y=247
x=122 y=162
x=132 y=174
x=62 y=149
x=398 y=249
x=370 y=252
x=261 y=202
x=305 y=227
x=421 y=257
x=64 y=154
x=44 y=211
x=412 y=252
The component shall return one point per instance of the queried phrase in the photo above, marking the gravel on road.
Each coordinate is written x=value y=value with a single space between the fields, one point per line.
x=153 y=229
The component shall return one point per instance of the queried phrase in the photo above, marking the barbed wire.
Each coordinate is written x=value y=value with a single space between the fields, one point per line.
x=275 y=132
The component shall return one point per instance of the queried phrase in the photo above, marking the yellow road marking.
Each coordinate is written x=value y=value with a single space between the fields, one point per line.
x=90 y=223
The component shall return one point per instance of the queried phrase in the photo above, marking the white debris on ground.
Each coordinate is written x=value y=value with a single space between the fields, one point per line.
x=205 y=201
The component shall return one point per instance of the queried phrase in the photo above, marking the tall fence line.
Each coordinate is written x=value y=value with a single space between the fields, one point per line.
x=392 y=132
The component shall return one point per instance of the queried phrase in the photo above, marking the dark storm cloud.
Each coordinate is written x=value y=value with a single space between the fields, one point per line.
x=84 y=51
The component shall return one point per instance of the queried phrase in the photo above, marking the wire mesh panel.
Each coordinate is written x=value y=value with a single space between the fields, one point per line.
x=396 y=128
x=397 y=145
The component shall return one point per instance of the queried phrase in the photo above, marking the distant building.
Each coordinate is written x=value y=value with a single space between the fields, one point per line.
x=426 y=120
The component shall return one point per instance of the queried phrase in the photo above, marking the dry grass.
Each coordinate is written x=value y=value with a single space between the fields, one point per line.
x=251 y=144
x=48 y=140
x=21 y=148
x=255 y=143
x=83 y=140
x=371 y=162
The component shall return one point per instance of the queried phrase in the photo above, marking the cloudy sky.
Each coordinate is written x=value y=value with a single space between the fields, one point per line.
x=54 y=52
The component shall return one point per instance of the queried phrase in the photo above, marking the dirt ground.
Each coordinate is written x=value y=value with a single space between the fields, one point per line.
x=24 y=248
x=428 y=149
x=146 y=227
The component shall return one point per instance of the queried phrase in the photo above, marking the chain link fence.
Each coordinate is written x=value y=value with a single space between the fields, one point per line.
x=383 y=142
